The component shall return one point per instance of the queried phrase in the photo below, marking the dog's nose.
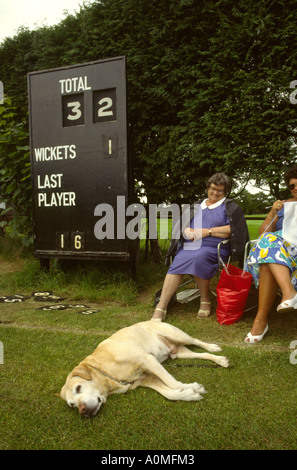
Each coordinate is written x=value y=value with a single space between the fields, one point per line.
x=84 y=410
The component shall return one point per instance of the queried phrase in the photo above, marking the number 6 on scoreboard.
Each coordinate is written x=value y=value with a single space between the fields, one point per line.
x=78 y=241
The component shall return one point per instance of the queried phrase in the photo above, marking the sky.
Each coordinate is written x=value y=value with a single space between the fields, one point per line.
x=33 y=14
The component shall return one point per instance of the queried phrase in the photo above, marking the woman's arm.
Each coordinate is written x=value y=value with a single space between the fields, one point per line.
x=220 y=232
x=271 y=218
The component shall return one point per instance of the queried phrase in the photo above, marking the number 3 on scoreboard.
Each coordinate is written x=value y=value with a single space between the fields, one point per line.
x=73 y=110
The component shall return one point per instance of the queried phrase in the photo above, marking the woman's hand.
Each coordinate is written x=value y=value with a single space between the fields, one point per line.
x=194 y=234
x=269 y=223
x=277 y=206
x=198 y=233
x=189 y=233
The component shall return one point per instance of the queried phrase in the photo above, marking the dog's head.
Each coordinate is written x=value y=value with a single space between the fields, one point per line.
x=82 y=392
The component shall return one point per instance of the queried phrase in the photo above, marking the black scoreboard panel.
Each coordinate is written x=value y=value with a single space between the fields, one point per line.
x=79 y=157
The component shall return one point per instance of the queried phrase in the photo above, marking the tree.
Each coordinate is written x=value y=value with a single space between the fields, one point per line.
x=15 y=187
x=208 y=85
x=254 y=203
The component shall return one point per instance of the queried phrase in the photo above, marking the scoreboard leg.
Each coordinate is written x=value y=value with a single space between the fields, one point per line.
x=133 y=263
x=45 y=264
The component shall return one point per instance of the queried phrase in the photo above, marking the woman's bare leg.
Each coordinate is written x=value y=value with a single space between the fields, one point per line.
x=272 y=277
x=282 y=276
x=203 y=286
x=205 y=304
x=170 y=286
x=268 y=288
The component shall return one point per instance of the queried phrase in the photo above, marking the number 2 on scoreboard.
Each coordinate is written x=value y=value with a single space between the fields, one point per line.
x=104 y=105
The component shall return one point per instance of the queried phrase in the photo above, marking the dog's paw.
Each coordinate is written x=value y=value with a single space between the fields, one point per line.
x=193 y=394
x=187 y=394
x=222 y=361
x=214 y=348
x=198 y=388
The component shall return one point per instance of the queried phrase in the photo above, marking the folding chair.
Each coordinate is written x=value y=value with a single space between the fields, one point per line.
x=247 y=249
x=221 y=262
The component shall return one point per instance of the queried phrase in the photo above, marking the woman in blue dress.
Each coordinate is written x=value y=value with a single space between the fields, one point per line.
x=194 y=245
x=273 y=264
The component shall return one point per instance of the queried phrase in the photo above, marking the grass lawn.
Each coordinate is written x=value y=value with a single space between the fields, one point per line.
x=254 y=226
x=251 y=405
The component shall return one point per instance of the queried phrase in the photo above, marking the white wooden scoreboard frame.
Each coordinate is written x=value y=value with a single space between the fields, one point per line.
x=79 y=157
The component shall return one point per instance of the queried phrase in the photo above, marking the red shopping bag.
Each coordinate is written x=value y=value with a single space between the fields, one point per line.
x=232 y=292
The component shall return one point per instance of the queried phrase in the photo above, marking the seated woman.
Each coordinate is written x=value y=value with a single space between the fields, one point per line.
x=194 y=248
x=273 y=264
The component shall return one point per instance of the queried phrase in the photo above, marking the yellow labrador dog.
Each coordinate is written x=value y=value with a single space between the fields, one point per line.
x=131 y=358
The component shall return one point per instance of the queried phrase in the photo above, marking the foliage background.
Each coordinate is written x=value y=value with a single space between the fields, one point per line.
x=208 y=89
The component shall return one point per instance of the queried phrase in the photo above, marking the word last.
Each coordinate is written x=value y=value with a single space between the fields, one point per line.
x=49 y=181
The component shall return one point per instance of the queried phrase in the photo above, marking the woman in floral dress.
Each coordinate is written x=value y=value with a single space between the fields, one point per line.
x=273 y=264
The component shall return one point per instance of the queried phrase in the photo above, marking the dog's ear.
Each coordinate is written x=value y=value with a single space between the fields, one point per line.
x=82 y=371
x=62 y=393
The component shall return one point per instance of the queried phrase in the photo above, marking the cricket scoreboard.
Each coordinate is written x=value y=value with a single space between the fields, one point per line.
x=79 y=158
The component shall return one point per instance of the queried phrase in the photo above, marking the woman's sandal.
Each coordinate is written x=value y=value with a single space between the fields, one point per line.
x=203 y=313
x=288 y=305
x=253 y=339
x=159 y=316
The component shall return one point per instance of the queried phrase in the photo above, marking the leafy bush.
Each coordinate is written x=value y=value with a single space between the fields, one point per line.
x=15 y=183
